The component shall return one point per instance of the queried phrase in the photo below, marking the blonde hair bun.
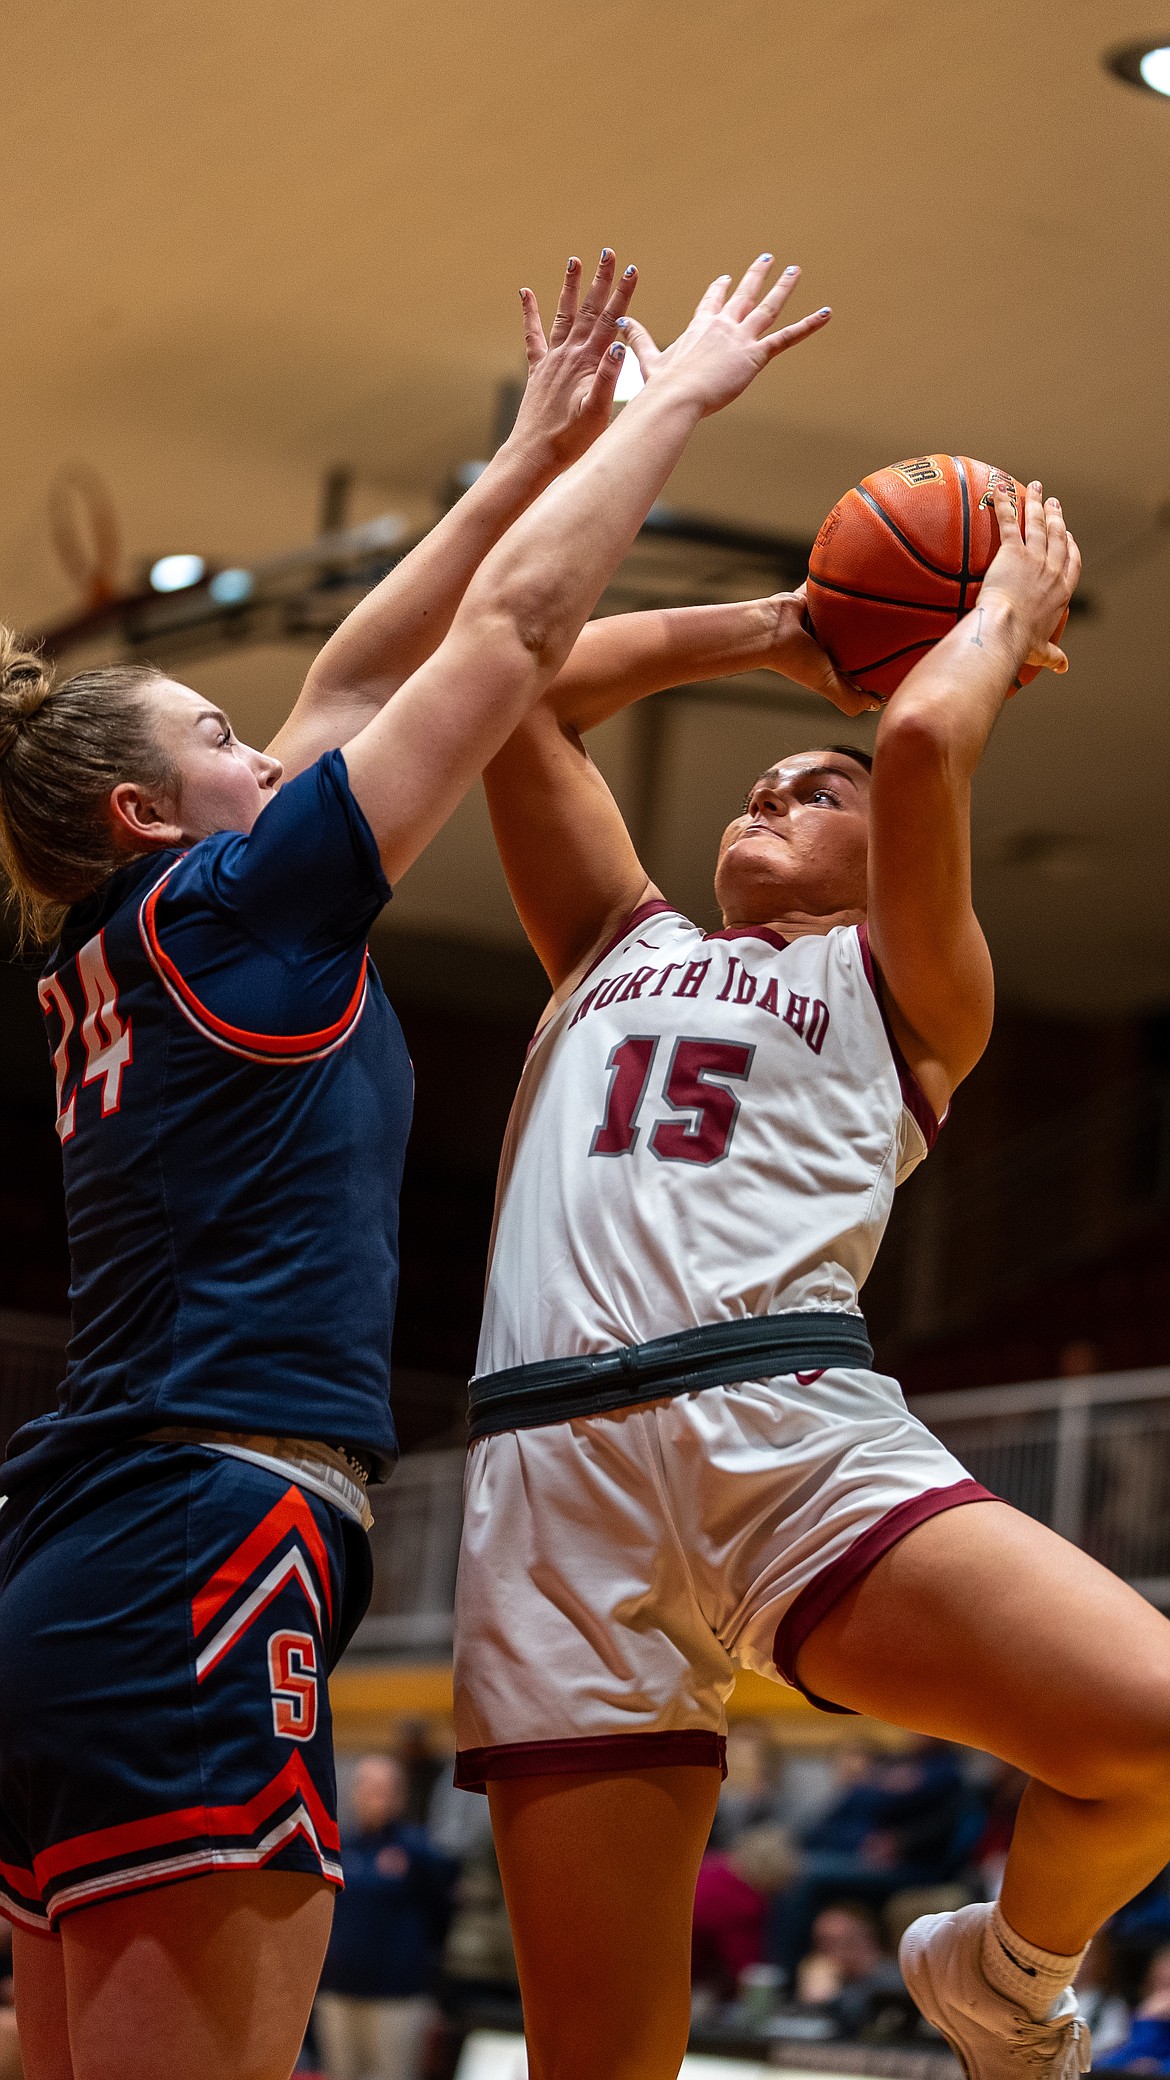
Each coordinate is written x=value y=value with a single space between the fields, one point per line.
x=25 y=685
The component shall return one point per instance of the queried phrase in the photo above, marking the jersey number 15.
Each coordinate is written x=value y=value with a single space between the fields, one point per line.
x=696 y=1085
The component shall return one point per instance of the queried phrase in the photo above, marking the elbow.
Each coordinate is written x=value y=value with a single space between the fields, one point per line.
x=517 y=612
x=915 y=738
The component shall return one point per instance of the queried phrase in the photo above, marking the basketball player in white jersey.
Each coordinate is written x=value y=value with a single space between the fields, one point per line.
x=683 y=1461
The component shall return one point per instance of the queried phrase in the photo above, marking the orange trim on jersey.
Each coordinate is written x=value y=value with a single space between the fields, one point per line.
x=23 y=1882
x=23 y=1917
x=145 y=1877
x=279 y=1045
x=291 y=1513
x=293 y=1781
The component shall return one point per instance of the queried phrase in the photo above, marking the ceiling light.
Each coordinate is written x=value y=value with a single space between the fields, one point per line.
x=175 y=573
x=228 y=588
x=630 y=378
x=1145 y=65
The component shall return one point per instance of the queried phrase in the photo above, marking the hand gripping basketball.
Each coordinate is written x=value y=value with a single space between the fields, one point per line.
x=1035 y=569
x=902 y=557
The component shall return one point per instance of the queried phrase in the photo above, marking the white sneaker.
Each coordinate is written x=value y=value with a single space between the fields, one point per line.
x=991 y=2037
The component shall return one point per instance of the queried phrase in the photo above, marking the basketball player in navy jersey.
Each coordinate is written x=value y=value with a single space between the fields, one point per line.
x=182 y=1552
x=683 y=1459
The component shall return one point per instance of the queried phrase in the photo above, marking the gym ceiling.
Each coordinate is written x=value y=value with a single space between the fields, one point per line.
x=247 y=242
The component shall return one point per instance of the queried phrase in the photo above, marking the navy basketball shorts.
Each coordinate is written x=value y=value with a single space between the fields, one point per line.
x=168 y=1619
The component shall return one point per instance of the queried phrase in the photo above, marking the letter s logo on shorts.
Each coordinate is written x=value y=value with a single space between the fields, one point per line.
x=292 y=1667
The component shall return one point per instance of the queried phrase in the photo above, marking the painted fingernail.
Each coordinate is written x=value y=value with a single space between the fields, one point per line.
x=792 y=270
x=826 y=311
x=573 y=265
x=630 y=272
x=623 y=324
x=765 y=259
x=605 y=253
x=723 y=278
x=616 y=352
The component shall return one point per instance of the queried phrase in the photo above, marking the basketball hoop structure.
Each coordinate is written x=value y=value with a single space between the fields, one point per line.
x=83 y=523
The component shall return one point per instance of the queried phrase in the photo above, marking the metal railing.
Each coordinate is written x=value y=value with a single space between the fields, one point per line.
x=1090 y=1457
x=418 y=1518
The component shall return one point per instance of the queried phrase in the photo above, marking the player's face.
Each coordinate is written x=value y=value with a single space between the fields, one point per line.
x=222 y=784
x=799 y=848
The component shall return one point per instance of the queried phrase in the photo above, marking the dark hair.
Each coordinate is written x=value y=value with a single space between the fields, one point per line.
x=843 y=751
x=62 y=749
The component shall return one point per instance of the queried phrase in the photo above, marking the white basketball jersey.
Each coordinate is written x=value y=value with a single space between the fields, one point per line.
x=710 y=1127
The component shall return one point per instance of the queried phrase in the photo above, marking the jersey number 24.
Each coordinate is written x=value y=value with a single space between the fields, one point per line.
x=105 y=1035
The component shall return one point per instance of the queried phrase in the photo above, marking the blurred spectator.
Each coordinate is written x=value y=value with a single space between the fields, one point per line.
x=375 y=2007
x=767 y=1785
x=900 y=1811
x=1143 y=1926
x=846 y=1970
x=422 y=1765
x=458 y=1822
x=900 y=1821
x=749 y=1792
x=1098 y=2002
x=1001 y=1799
x=1146 y=2047
x=479 y=1964
x=732 y=1897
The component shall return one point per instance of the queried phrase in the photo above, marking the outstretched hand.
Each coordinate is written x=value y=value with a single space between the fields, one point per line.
x=1036 y=572
x=727 y=342
x=799 y=657
x=572 y=374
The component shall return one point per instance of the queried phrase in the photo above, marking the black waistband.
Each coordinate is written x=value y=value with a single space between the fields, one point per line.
x=717 y=1355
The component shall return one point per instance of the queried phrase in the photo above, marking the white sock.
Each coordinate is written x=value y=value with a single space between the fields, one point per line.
x=1033 y=1978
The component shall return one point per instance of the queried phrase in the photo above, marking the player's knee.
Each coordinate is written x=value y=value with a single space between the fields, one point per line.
x=1130 y=1758
x=1146 y=1766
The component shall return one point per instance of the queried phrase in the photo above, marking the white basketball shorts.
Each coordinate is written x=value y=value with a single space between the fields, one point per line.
x=617 y=1569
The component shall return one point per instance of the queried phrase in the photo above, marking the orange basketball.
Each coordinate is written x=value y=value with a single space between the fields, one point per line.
x=899 y=560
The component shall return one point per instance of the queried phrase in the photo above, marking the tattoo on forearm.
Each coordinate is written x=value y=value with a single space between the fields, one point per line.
x=977 y=638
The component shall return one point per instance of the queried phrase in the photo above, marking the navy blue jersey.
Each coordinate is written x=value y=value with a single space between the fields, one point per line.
x=233 y=1098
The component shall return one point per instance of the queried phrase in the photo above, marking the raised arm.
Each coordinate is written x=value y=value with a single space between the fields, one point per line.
x=404 y=619
x=568 y=857
x=931 y=954
x=525 y=608
x=621 y=659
